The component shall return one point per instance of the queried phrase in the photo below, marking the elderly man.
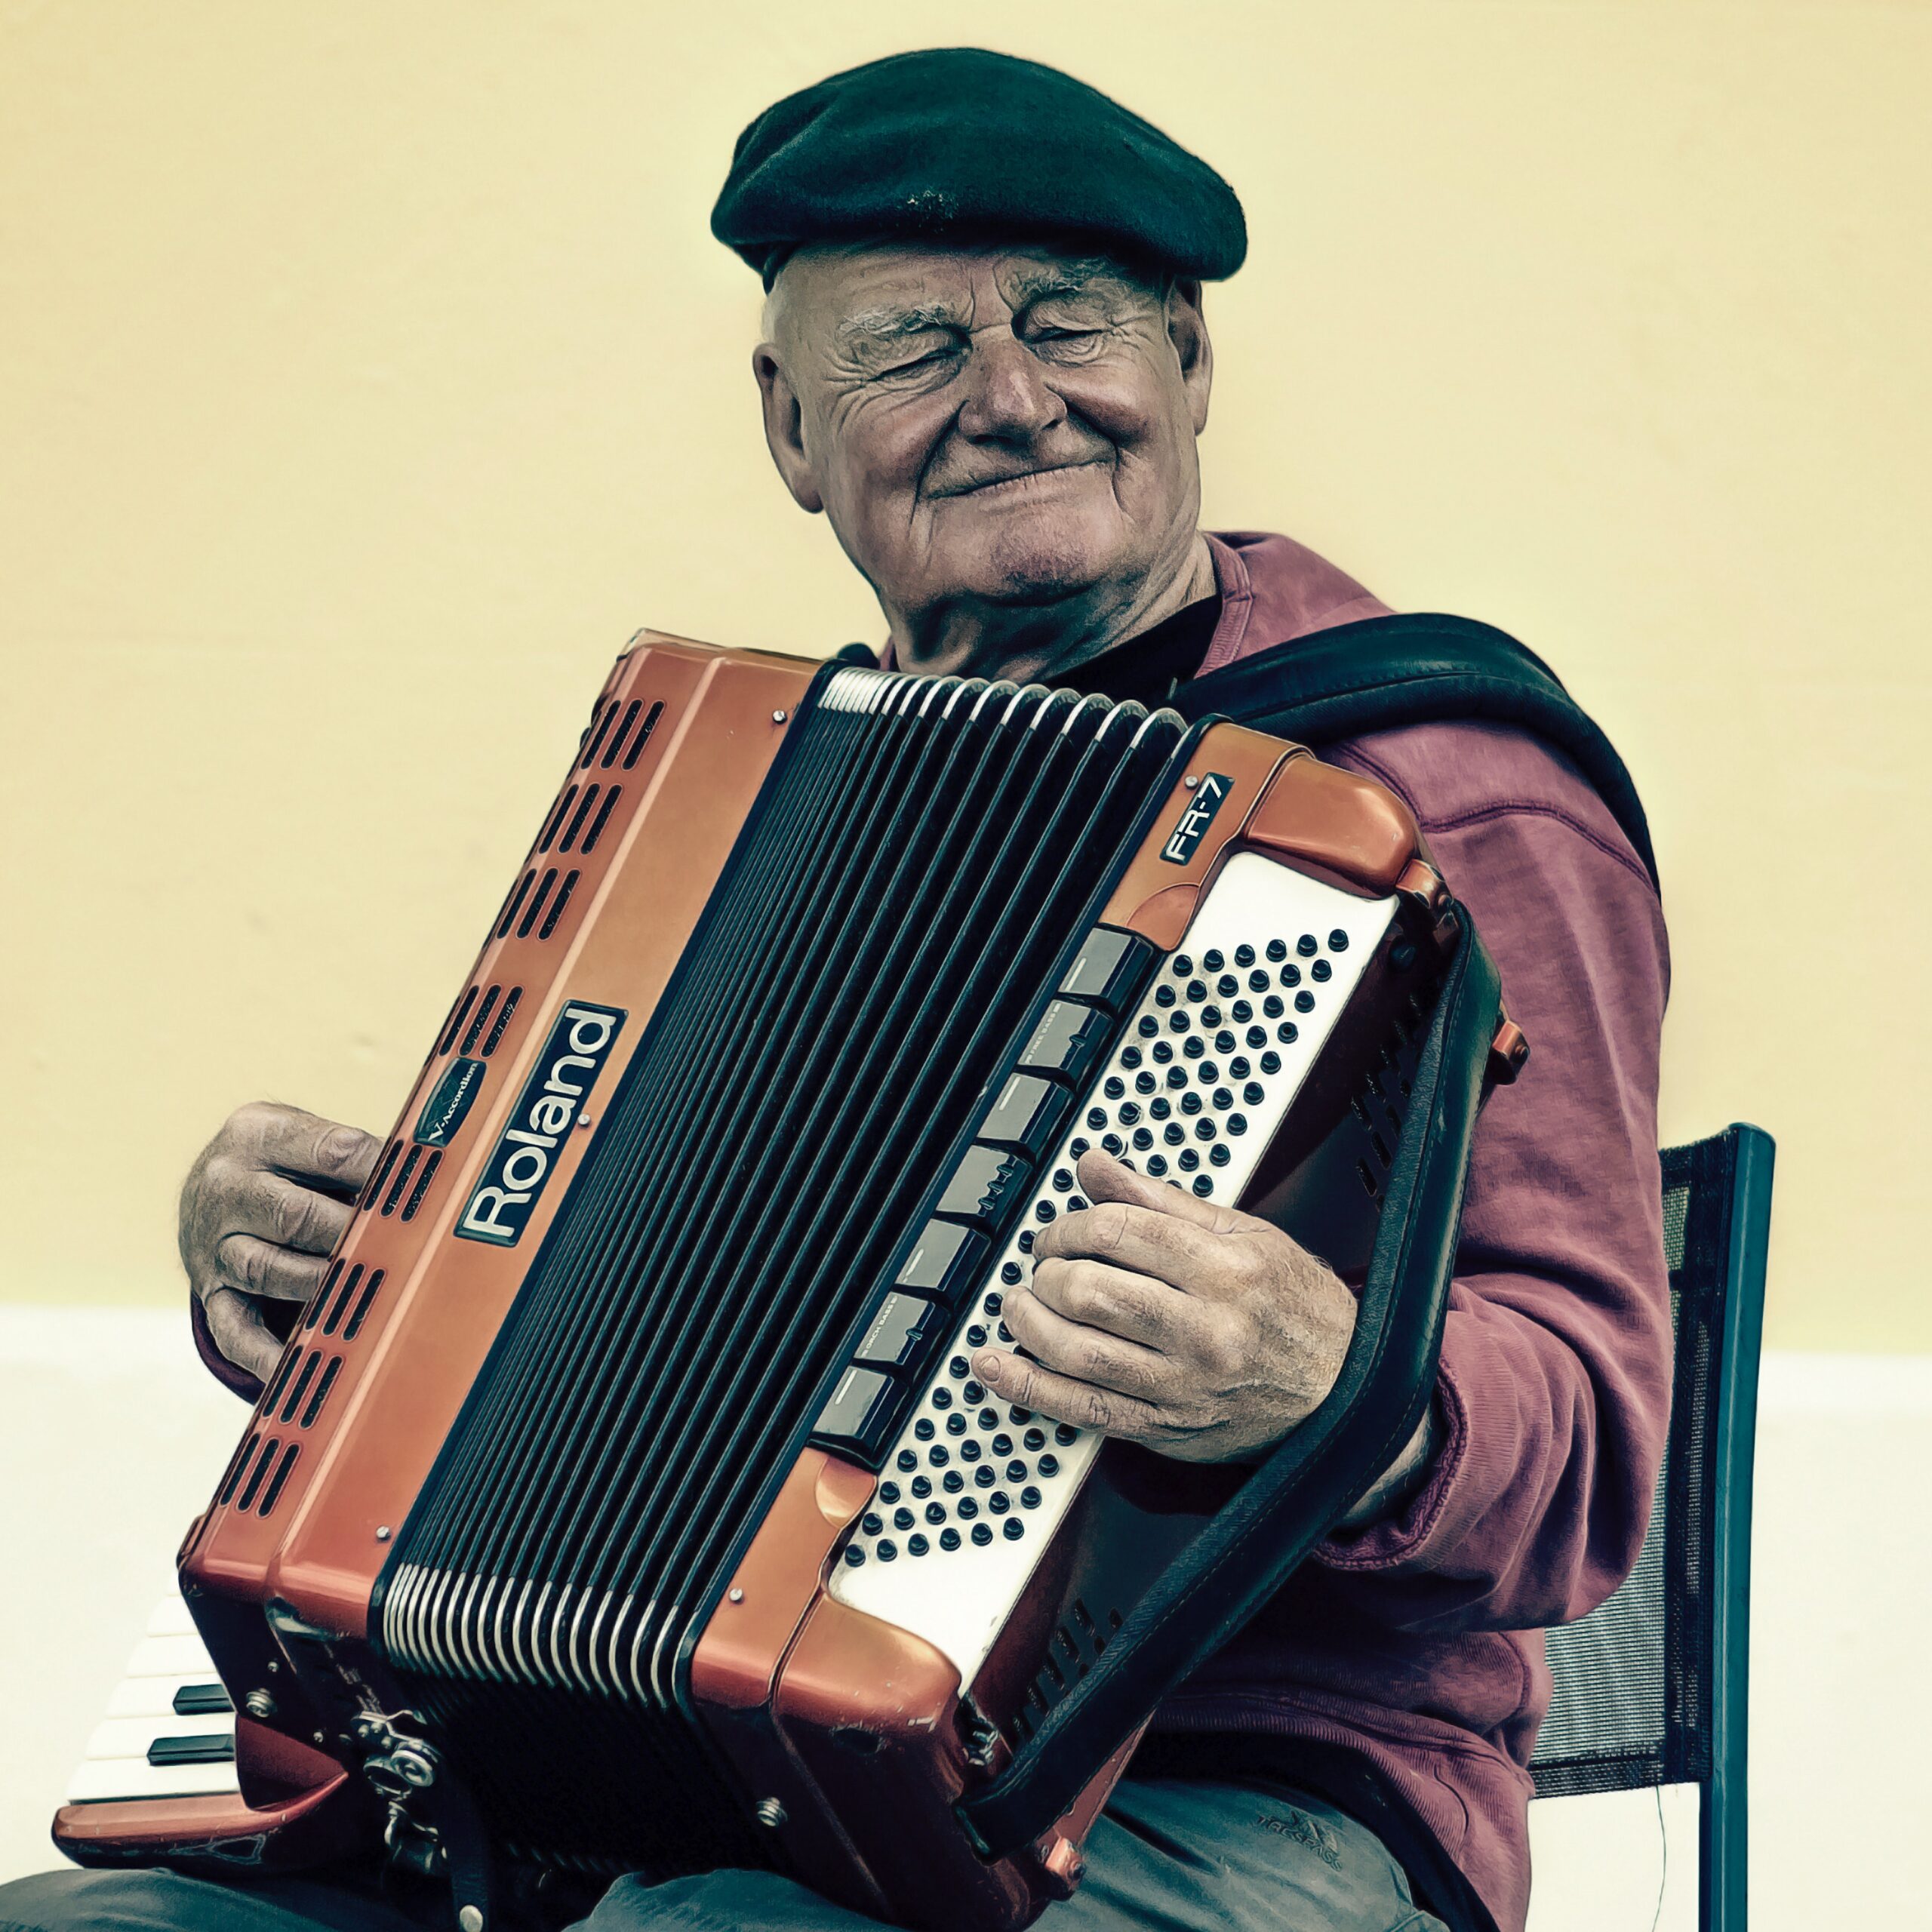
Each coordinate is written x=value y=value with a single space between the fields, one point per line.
x=986 y=363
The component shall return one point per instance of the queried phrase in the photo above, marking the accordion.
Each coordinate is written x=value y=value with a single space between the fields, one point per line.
x=623 y=1500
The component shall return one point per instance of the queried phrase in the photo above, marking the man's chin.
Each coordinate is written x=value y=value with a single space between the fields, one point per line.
x=1037 y=565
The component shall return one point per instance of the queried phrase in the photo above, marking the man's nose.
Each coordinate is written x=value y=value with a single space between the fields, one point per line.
x=1007 y=399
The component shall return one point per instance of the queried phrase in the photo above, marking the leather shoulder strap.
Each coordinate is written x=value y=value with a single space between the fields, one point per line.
x=1416 y=669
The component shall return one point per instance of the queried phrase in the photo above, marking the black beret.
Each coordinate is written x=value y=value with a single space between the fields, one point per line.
x=956 y=144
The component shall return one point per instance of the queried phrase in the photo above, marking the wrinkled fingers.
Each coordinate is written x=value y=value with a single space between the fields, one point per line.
x=305 y=1144
x=1135 y=1307
x=285 y=1213
x=1082 y=1354
x=264 y=1268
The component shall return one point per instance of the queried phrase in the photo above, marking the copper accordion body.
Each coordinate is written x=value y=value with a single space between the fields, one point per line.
x=624 y=1500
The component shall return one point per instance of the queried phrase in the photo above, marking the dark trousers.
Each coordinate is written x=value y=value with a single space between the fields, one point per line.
x=1168 y=1856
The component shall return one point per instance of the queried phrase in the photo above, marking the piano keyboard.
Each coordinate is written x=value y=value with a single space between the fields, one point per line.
x=169 y=1731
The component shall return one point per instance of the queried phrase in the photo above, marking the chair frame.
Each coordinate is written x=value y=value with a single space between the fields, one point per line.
x=1723 y=1835
x=1706 y=1500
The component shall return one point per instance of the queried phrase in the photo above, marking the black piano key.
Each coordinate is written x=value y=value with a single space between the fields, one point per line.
x=1113 y=968
x=948 y=1261
x=863 y=1414
x=201 y=1700
x=987 y=1186
x=220 y=1750
x=1027 y=1115
x=904 y=1329
x=1069 y=1042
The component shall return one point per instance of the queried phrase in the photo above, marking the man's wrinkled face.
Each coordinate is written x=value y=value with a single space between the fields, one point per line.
x=988 y=426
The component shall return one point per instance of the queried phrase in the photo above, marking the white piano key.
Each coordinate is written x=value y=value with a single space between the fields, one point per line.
x=103 y=1780
x=171 y=1618
x=169 y=1660
x=153 y=1696
x=130 y=1737
x=170 y=1657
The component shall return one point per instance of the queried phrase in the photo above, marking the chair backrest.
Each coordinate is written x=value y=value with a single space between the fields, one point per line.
x=1650 y=1687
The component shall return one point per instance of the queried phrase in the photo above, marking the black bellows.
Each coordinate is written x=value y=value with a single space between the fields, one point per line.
x=901 y=898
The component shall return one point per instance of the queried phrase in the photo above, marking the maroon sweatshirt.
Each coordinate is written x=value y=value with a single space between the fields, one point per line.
x=1416 y=1644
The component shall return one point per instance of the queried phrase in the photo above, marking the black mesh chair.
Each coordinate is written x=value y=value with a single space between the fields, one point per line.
x=1650 y=1687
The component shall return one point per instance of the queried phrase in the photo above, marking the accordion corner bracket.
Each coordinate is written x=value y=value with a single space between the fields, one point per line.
x=1339 y=828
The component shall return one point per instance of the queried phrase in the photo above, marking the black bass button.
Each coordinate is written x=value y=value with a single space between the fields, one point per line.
x=860 y=1419
x=947 y=1262
x=1069 y=1044
x=905 y=1326
x=1027 y=1115
x=1111 y=969
x=986 y=1186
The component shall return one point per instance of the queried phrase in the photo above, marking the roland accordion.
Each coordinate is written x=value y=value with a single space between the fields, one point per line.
x=624 y=1501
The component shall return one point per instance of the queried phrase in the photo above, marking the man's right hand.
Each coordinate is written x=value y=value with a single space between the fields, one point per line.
x=266 y=1201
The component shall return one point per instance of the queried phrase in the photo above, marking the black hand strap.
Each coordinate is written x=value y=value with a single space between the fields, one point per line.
x=1416 y=669
x=1314 y=1478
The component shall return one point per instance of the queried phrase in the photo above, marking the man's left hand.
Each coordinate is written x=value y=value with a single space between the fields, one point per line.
x=1152 y=1315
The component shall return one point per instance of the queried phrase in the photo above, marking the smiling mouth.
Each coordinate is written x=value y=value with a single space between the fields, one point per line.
x=996 y=484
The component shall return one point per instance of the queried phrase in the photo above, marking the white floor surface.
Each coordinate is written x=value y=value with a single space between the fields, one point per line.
x=111 y=1437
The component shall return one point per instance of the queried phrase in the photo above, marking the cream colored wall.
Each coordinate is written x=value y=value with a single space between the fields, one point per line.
x=367 y=374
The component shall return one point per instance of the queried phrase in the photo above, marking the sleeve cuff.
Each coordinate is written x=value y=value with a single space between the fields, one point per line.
x=237 y=1380
x=1394 y=1540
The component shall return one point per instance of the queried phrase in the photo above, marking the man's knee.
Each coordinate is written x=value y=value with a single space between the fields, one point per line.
x=111 y=1901
x=720 y=1902
x=159 y=1901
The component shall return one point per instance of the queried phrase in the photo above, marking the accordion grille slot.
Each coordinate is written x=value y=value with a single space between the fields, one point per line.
x=893 y=911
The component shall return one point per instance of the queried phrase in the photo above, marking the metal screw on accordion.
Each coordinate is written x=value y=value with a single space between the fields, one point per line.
x=259 y=1705
x=770 y=1813
x=1190 y=781
x=382 y=1532
x=1064 y=1866
x=778 y=718
x=736 y=1596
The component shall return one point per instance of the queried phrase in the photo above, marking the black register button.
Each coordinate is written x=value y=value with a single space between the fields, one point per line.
x=904 y=1328
x=1069 y=1042
x=1026 y=1116
x=862 y=1414
x=988 y=1185
x=947 y=1262
x=1111 y=970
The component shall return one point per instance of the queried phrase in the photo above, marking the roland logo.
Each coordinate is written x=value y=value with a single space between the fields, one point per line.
x=1196 y=816
x=521 y=1164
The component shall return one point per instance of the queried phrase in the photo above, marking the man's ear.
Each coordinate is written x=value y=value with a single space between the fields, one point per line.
x=1187 y=330
x=785 y=428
